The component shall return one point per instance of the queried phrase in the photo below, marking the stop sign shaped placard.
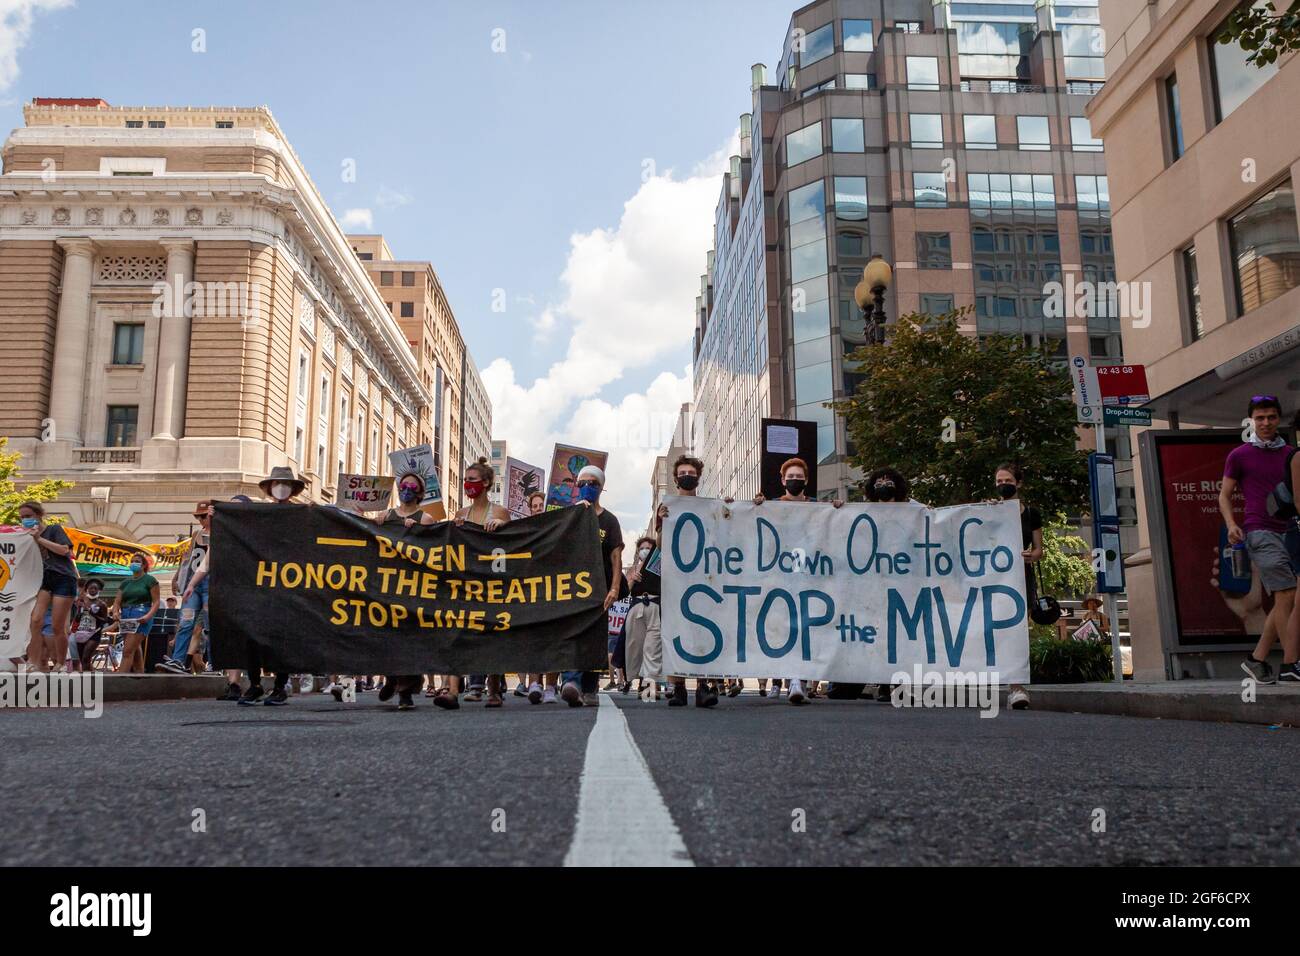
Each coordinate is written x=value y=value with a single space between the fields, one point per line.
x=1123 y=384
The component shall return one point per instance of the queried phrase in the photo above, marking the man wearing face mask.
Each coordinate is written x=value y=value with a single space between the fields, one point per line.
x=282 y=486
x=580 y=686
x=881 y=486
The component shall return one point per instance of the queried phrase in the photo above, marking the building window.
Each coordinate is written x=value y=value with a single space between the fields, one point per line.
x=981 y=131
x=128 y=344
x=1265 y=248
x=1084 y=45
x=847 y=136
x=807 y=232
x=1192 y=286
x=926 y=130
x=936 y=303
x=851 y=197
x=297 y=446
x=157 y=124
x=1081 y=138
x=930 y=189
x=408 y=310
x=858 y=36
x=122 y=420
x=366 y=256
x=135 y=124
x=993 y=50
x=908 y=26
x=1032 y=132
x=385 y=278
x=225 y=124
x=933 y=250
x=817 y=45
x=408 y=278
x=1234 y=79
x=803 y=144
x=1175 y=115
x=922 y=73
x=1093 y=193
x=859 y=81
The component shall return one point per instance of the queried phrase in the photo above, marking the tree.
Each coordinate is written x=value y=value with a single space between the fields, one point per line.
x=1264 y=32
x=1066 y=565
x=946 y=409
x=10 y=495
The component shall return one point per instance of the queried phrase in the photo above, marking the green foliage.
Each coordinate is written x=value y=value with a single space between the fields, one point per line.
x=10 y=494
x=1066 y=565
x=1056 y=661
x=1005 y=401
x=1263 y=32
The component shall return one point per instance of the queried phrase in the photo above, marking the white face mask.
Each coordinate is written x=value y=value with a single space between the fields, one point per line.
x=643 y=553
x=281 y=491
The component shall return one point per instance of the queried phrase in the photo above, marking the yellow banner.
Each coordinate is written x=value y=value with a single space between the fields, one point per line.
x=98 y=554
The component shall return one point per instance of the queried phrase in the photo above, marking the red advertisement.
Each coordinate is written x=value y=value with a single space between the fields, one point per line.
x=1191 y=471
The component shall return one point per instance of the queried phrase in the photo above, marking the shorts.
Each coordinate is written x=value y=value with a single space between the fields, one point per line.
x=1269 y=555
x=134 y=613
x=59 y=585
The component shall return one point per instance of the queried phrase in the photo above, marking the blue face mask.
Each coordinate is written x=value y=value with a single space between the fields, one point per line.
x=589 y=493
x=136 y=567
x=408 y=495
x=31 y=522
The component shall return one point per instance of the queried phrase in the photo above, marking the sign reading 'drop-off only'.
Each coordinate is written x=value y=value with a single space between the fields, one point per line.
x=853 y=594
x=327 y=592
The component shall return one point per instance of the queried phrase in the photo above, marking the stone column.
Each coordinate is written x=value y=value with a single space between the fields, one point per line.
x=72 y=341
x=174 y=343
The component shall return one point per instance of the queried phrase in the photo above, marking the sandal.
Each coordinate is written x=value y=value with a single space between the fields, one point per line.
x=432 y=691
x=493 y=700
x=445 y=699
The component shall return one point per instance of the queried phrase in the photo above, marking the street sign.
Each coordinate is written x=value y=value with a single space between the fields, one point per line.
x=1087 y=392
x=1088 y=414
x=1123 y=384
x=1123 y=415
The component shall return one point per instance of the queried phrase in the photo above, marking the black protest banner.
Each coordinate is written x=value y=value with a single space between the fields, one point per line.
x=327 y=592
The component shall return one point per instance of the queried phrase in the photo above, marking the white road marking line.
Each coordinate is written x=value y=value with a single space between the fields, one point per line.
x=622 y=818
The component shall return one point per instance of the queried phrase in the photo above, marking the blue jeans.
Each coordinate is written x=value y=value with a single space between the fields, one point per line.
x=133 y=612
x=196 y=602
x=588 y=681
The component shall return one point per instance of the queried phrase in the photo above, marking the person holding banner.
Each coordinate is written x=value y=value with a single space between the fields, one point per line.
x=58 y=587
x=479 y=478
x=541 y=687
x=882 y=485
x=580 y=686
x=136 y=604
x=794 y=479
x=1007 y=480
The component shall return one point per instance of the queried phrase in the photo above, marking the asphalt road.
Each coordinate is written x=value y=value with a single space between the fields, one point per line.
x=323 y=783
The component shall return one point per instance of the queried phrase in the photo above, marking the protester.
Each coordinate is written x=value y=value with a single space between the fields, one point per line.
x=91 y=615
x=58 y=587
x=687 y=472
x=1291 y=639
x=1007 y=480
x=794 y=479
x=580 y=686
x=481 y=511
x=541 y=687
x=137 y=602
x=884 y=485
x=194 y=590
x=643 y=644
x=282 y=486
x=1258 y=466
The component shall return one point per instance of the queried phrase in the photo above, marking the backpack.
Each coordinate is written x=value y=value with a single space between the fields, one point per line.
x=1281 y=500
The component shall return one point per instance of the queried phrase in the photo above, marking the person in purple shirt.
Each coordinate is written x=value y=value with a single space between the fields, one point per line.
x=1257 y=466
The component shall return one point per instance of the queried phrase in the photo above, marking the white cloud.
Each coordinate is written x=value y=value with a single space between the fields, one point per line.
x=354 y=219
x=629 y=299
x=16 y=18
x=389 y=198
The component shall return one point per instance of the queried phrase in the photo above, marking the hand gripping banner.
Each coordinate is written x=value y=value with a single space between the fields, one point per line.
x=327 y=592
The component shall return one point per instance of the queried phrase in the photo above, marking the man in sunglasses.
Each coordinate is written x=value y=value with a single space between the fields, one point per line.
x=196 y=598
x=1257 y=466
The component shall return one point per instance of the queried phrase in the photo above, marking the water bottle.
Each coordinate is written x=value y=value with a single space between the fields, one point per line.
x=1240 y=561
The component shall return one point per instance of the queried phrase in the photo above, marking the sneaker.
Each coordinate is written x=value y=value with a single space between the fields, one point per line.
x=336 y=691
x=549 y=697
x=706 y=695
x=1289 y=674
x=535 y=694
x=590 y=700
x=736 y=687
x=252 y=695
x=1018 y=699
x=796 y=694
x=404 y=701
x=169 y=666
x=277 y=698
x=521 y=690
x=388 y=690
x=474 y=695
x=306 y=684
x=762 y=692
x=232 y=693
x=1261 y=671
x=572 y=694
x=678 y=696
x=610 y=686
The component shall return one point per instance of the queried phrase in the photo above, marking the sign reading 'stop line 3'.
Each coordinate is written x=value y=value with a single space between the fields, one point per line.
x=855 y=594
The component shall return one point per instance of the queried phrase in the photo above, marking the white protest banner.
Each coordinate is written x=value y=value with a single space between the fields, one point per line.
x=618 y=615
x=364 y=492
x=418 y=460
x=856 y=594
x=20 y=579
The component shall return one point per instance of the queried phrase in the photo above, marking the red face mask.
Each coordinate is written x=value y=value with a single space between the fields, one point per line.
x=474 y=488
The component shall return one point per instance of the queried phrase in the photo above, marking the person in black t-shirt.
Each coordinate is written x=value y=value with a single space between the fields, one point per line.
x=1007 y=480
x=580 y=686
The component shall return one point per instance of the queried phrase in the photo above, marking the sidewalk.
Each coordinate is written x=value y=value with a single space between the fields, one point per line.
x=119 y=687
x=1218 y=700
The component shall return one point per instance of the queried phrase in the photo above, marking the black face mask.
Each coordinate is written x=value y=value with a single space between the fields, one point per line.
x=884 y=491
x=687 y=482
x=795 y=487
x=1007 y=490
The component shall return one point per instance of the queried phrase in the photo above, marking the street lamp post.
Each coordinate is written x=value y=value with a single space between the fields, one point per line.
x=870 y=296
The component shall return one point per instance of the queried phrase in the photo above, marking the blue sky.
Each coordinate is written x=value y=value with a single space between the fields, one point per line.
x=576 y=169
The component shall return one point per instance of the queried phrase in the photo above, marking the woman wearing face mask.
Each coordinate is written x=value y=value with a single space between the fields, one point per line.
x=282 y=486
x=407 y=513
x=480 y=511
x=541 y=687
x=794 y=479
x=1007 y=480
x=58 y=587
x=136 y=601
x=91 y=616
x=644 y=649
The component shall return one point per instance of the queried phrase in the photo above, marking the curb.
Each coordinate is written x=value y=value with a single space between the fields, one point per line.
x=125 y=687
x=1274 y=707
